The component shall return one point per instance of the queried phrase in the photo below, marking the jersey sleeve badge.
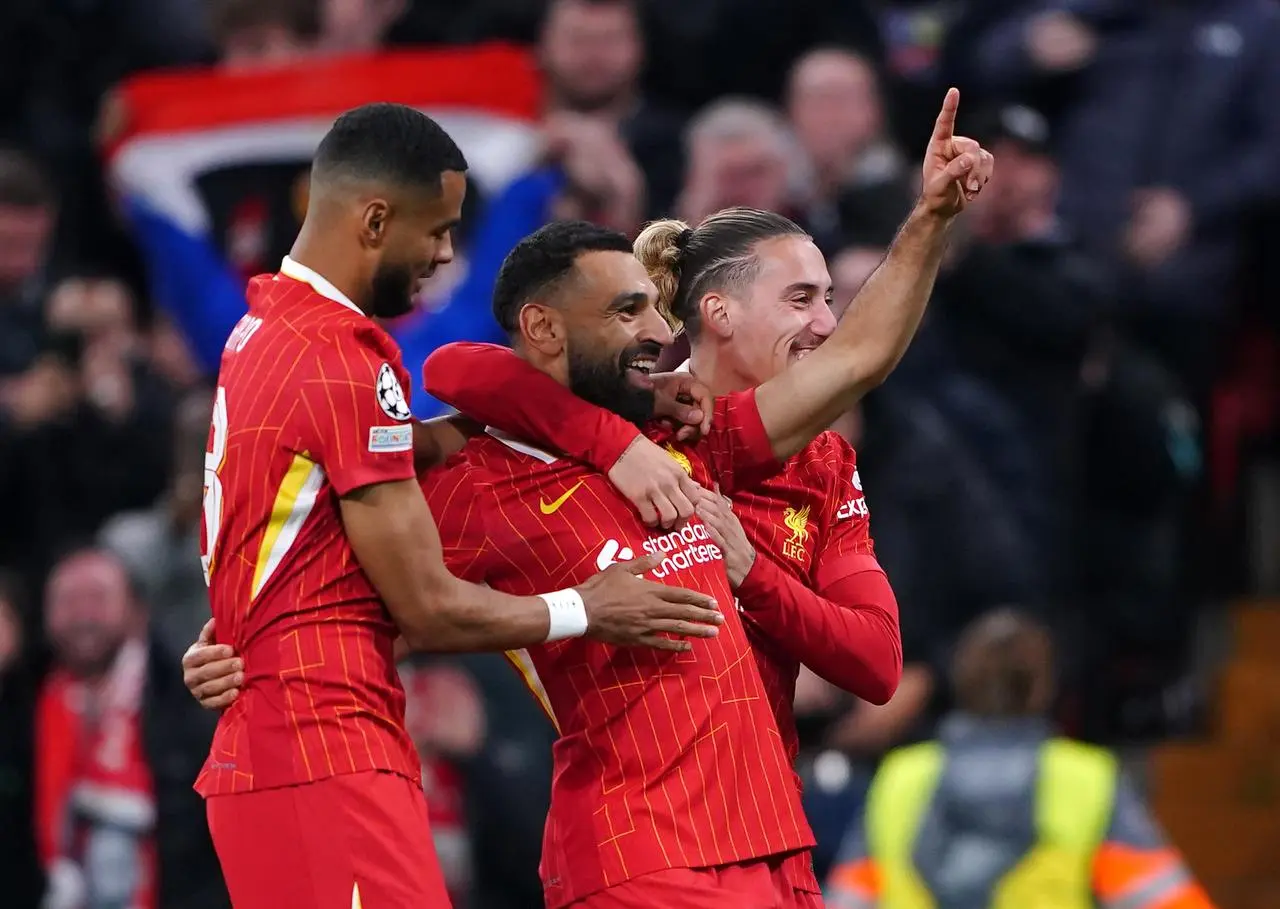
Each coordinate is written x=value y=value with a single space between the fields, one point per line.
x=391 y=395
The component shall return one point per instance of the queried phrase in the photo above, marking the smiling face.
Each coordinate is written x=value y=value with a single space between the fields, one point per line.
x=613 y=333
x=418 y=239
x=88 y=611
x=781 y=315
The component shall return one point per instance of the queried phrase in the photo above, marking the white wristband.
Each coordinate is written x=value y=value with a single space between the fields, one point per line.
x=568 y=614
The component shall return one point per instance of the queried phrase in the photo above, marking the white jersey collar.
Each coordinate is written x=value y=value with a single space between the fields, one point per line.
x=683 y=367
x=321 y=285
x=524 y=448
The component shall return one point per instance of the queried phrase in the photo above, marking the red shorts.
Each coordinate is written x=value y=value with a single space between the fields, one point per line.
x=359 y=839
x=762 y=884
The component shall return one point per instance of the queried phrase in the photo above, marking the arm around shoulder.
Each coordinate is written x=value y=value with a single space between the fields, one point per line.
x=399 y=547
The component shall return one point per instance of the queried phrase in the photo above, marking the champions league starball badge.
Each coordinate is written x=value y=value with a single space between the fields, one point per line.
x=391 y=395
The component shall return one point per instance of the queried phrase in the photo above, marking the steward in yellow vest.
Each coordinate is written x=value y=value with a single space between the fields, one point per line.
x=997 y=813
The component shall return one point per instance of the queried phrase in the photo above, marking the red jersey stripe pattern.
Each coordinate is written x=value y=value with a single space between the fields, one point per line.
x=664 y=760
x=816 y=590
x=310 y=405
x=811 y=521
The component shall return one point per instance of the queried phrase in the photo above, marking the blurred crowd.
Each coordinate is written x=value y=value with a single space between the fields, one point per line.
x=1068 y=434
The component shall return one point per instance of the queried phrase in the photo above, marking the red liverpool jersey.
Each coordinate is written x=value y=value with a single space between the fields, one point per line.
x=664 y=760
x=310 y=405
x=809 y=526
x=815 y=590
x=811 y=523
x=815 y=595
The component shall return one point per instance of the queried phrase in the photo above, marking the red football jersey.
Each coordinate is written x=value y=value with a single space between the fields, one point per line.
x=664 y=760
x=815 y=589
x=310 y=405
x=812 y=522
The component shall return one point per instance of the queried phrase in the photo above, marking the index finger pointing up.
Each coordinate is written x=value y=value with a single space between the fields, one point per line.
x=945 y=126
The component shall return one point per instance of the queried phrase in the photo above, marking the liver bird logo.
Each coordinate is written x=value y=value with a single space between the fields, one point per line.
x=680 y=458
x=797 y=522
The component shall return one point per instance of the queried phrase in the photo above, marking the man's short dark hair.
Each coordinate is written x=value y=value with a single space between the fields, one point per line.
x=389 y=143
x=542 y=260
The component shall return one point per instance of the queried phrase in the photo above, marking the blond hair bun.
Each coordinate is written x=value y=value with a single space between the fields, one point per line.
x=660 y=249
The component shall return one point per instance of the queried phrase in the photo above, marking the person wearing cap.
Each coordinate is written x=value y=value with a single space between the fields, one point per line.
x=971 y=428
x=1000 y=813
x=1024 y=207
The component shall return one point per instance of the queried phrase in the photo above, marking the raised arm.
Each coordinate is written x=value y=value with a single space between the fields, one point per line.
x=805 y=399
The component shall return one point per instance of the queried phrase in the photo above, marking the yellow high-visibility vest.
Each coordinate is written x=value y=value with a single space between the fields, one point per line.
x=1073 y=803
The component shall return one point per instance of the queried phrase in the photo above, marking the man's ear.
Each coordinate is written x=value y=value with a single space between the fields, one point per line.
x=542 y=328
x=373 y=223
x=716 y=318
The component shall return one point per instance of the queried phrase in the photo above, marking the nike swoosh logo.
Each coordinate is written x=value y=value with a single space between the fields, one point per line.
x=553 y=507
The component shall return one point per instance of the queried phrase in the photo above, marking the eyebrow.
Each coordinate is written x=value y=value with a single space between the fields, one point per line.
x=622 y=301
x=806 y=286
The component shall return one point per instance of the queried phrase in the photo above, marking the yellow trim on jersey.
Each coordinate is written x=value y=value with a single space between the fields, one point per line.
x=524 y=665
x=294 y=500
x=355 y=897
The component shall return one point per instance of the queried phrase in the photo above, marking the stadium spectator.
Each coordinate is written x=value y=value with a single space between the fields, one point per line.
x=117 y=744
x=91 y=433
x=592 y=54
x=1015 y=365
x=598 y=179
x=859 y=182
x=1164 y=203
x=28 y=212
x=1000 y=812
x=161 y=544
x=740 y=153
x=982 y=343
x=253 y=34
x=985 y=397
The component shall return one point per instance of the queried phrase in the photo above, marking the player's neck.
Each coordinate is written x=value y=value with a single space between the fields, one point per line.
x=711 y=367
x=555 y=366
x=311 y=254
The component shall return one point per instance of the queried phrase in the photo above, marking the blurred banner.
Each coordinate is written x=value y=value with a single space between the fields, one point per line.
x=210 y=166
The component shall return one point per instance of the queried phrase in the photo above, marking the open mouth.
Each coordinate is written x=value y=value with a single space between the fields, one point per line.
x=799 y=353
x=640 y=368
